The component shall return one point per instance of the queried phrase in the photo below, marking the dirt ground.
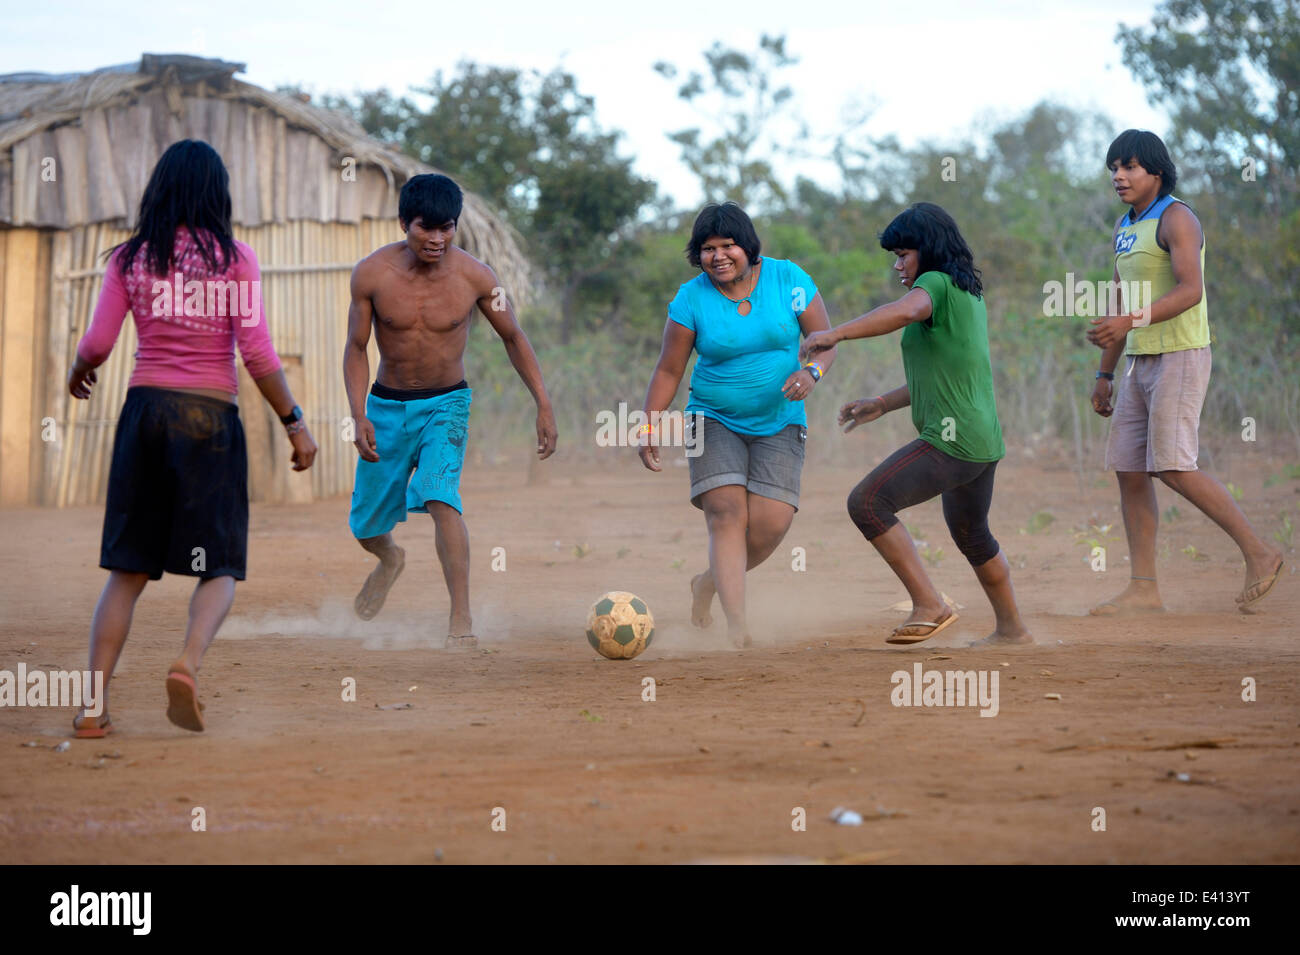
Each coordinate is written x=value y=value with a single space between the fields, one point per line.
x=735 y=742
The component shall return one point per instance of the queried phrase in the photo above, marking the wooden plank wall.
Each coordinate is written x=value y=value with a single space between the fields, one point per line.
x=305 y=285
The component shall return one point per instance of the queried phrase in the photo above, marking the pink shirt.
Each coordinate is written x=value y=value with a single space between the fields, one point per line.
x=188 y=322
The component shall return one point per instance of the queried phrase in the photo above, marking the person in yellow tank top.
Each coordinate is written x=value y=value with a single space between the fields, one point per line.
x=1159 y=272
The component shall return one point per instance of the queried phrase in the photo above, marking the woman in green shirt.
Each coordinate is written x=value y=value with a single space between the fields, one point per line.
x=950 y=390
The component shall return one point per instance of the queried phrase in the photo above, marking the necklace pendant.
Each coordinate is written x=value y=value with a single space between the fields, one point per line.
x=744 y=307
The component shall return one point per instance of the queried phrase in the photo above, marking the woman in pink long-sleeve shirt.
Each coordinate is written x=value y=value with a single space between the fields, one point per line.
x=178 y=484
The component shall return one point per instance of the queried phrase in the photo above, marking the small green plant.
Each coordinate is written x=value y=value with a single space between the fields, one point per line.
x=581 y=550
x=1284 y=532
x=591 y=717
x=1289 y=473
x=1095 y=535
x=1191 y=551
x=678 y=563
x=1039 y=522
x=1171 y=514
x=1236 y=492
x=916 y=532
x=932 y=555
x=623 y=552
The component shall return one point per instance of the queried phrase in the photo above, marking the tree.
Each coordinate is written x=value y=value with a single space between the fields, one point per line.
x=1230 y=71
x=734 y=164
x=528 y=143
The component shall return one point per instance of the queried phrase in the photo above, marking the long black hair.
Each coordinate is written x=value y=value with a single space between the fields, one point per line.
x=933 y=233
x=190 y=187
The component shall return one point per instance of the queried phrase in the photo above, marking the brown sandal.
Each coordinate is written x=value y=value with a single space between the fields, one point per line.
x=183 y=706
x=935 y=626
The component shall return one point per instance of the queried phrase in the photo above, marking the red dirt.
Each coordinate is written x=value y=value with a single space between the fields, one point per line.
x=535 y=723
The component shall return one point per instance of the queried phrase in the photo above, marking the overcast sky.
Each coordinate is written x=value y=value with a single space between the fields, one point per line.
x=932 y=69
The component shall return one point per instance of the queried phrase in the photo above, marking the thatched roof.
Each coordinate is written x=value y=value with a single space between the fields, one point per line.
x=105 y=130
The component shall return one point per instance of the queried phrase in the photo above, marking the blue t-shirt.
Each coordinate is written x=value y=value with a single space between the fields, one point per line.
x=745 y=359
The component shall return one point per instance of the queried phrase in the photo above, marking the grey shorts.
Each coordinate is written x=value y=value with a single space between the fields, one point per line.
x=1158 y=412
x=767 y=465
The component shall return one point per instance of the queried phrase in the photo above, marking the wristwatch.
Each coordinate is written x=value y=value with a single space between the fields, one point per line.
x=292 y=416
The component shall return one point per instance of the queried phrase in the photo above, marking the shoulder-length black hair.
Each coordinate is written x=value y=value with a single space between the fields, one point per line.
x=933 y=233
x=1150 y=152
x=189 y=187
x=728 y=221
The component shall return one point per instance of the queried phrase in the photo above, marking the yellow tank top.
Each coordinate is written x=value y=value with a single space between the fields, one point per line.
x=1146 y=273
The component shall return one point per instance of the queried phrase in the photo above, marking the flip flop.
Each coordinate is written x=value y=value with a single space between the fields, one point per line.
x=906 y=638
x=468 y=641
x=183 y=706
x=1268 y=585
x=376 y=601
x=100 y=728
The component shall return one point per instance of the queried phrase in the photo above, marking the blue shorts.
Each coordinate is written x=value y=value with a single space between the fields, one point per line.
x=421 y=445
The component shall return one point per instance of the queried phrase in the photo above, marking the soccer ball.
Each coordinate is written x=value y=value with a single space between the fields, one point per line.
x=619 y=625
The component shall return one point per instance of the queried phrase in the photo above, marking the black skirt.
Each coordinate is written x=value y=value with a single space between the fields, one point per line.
x=177 y=488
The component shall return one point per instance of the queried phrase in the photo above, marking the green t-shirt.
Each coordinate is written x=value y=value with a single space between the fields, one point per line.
x=946 y=360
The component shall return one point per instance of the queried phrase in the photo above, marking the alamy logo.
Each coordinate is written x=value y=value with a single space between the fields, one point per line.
x=211 y=299
x=946 y=688
x=82 y=688
x=1079 y=298
x=672 y=429
x=103 y=908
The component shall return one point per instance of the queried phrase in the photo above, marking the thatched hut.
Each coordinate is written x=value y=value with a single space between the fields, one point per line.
x=311 y=192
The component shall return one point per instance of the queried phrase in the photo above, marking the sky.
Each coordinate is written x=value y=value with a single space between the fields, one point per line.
x=929 y=71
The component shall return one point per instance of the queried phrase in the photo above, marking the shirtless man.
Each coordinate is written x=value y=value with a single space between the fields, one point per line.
x=420 y=295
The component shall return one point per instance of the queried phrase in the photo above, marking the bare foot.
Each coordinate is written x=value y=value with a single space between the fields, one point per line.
x=999 y=638
x=702 y=591
x=1262 y=571
x=1140 y=596
x=460 y=632
x=740 y=639
x=375 y=590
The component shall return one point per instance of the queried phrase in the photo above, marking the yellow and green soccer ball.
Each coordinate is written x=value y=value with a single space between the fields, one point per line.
x=619 y=625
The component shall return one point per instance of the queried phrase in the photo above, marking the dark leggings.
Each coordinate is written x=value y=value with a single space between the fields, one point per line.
x=917 y=472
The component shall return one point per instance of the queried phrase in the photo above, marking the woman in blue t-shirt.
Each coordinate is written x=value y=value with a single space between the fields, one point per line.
x=744 y=315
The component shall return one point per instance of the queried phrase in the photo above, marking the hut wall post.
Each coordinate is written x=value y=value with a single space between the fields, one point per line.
x=17 y=337
x=57 y=356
